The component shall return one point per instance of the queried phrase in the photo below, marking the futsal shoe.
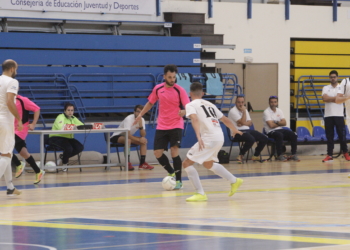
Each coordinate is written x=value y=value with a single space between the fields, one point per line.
x=197 y=197
x=282 y=158
x=172 y=175
x=146 y=166
x=19 y=170
x=178 y=186
x=347 y=156
x=59 y=160
x=39 y=176
x=328 y=159
x=235 y=186
x=130 y=167
x=257 y=158
x=240 y=159
x=293 y=158
x=13 y=192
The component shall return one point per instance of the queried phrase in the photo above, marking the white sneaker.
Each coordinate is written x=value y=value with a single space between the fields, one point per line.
x=64 y=169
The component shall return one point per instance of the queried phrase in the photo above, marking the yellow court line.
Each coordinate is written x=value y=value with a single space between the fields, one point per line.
x=169 y=194
x=180 y=232
x=144 y=244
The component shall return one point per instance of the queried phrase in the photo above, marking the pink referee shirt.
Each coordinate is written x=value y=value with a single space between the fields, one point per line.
x=23 y=112
x=171 y=101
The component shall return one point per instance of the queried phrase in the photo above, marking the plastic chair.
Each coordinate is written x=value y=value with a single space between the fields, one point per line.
x=304 y=135
x=347 y=132
x=319 y=132
x=240 y=143
x=121 y=145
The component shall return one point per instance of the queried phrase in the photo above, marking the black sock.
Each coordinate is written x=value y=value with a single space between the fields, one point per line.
x=32 y=163
x=15 y=160
x=164 y=161
x=143 y=159
x=178 y=167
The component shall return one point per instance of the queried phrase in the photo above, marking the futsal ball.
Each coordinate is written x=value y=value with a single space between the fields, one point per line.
x=169 y=183
x=50 y=166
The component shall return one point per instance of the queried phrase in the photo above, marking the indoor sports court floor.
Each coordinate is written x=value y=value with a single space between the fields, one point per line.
x=290 y=205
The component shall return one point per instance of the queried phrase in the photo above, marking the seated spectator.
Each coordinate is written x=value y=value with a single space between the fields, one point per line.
x=273 y=124
x=240 y=117
x=24 y=105
x=138 y=140
x=66 y=142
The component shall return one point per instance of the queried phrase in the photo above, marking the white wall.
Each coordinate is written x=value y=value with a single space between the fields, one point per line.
x=268 y=33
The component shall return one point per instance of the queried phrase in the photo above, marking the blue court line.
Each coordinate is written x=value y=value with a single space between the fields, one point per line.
x=233 y=229
x=150 y=180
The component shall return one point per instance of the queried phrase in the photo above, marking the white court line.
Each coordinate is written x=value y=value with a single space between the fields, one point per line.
x=30 y=245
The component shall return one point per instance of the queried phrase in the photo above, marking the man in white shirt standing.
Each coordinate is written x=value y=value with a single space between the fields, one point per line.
x=138 y=140
x=205 y=118
x=240 y=117
x=273 y=124
x=334 y=118
x=8 y=112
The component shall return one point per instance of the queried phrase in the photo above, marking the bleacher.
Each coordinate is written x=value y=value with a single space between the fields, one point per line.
x=99 y=73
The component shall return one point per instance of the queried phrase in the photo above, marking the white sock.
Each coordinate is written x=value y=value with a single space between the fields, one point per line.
x=221 y=171
x=194 y=179
x=6 y=171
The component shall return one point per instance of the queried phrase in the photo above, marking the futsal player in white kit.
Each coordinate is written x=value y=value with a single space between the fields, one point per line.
x=205 y=121
x=8 y=112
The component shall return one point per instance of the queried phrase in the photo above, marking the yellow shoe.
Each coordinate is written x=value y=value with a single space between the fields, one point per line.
x=235 y=186
x=172 y=175
x=19 y=170
x=240 y=159
x=39 y=176
x=197 y=197
x=257 y=158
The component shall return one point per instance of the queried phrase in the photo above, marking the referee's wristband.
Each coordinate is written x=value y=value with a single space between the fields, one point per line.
x=140 y=128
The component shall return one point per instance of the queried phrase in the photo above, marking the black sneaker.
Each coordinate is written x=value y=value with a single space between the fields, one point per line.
x=13 y=192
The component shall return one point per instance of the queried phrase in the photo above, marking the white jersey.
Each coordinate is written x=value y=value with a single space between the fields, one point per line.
x=7 y=85
x=234 y=115
x=127 y=123
x=344 y=88
x=269 y=115
x=332 y=108
x=208 y=115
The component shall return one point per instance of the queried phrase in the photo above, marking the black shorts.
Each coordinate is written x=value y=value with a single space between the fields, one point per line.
x=164 y=137
x=115 y=138
x=19 y=143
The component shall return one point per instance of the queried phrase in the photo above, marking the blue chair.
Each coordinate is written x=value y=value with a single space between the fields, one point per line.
x=184 y=80
x=319 y=132
x=304 y=135
x=347 y=132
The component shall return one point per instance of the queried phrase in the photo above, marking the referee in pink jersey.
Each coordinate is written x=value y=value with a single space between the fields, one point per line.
x=172 y=101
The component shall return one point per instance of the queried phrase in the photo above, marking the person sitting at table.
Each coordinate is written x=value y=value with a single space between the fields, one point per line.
x=66 y=142
x=138 y=140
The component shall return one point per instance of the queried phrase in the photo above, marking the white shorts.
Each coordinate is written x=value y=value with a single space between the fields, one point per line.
x=208 y=153
x=7 y=135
